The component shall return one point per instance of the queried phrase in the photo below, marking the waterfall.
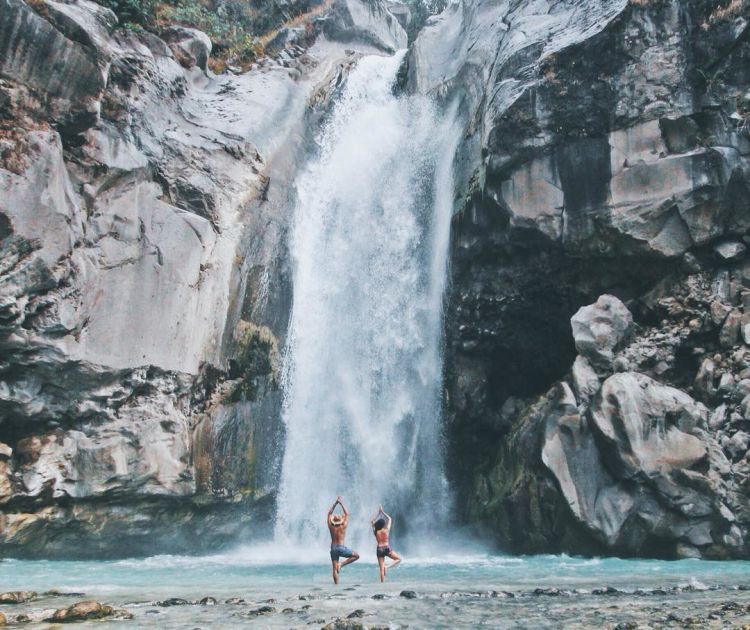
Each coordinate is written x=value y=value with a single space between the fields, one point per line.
x=363 y=366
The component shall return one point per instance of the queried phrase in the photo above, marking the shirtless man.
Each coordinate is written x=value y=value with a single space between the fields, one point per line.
x=337 y=525
x=381 y=527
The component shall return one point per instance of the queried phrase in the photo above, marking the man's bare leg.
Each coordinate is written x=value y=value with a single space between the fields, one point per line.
x=396 y=560
x=354 y=558
x=381 y=568
x=335 y=571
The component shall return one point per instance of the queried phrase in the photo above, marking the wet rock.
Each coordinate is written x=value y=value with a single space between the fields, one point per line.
x=379 y=596
x=208 y=601
x=730 y=331
x=17 y=597
x=585 y=380
x=719 y=312
x=730 y=250
x=726 y=384
x=173 y=601
x=3 y=619
x=357 y=614
x=82 y=611
x=633 y=416
x=607 y=590
x=738 y=444
x=234 y=600
x=599 y=328
x=58 y=593
x=704 y=379
x=408 y=594
x=190 y=46
x=344 y=624
x=263 y=610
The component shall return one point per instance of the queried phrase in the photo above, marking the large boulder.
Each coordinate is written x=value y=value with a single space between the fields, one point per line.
x=635 y=473
x=640 y=420
x=570 y=453
x=599 y=328
x=82 y=611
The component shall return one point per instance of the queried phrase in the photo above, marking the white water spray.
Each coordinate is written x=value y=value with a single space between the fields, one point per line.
x=363 y=370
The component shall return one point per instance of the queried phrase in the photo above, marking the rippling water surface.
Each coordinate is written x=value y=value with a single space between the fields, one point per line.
x=451 y=591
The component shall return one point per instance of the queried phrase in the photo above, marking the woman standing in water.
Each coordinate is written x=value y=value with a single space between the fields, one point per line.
x=381 y=527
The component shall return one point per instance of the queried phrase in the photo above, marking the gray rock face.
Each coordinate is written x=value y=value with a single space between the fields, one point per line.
x=143 y=283
x=595 y=163
x=366 y=21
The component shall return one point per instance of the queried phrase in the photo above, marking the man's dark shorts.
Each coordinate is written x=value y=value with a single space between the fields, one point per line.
x=339 y=551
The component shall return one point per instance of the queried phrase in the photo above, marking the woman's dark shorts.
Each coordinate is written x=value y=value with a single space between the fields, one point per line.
x=339 y=551
x=383 y=551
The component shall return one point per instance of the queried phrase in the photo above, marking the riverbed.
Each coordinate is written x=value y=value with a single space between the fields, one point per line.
x=272 y=588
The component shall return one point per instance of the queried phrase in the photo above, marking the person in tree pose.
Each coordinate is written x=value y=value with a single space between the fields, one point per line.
x=381 y=527
x=337 y=524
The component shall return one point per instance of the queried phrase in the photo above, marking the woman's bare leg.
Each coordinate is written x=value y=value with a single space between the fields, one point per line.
x=381 y=568
x=396 y=560
x=335 y=571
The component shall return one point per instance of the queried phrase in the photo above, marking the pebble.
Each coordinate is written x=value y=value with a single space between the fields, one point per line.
x=263 y=610
x=408 y=594
x=607 y=590
x=234 y=600
x=344 y=624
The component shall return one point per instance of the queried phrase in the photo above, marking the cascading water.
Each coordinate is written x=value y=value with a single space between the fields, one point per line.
x=363 y=364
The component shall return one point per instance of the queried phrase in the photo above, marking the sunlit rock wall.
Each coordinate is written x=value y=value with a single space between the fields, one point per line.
x=143 y=284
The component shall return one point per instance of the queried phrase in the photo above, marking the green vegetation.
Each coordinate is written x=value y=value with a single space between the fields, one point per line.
x=256 y=362
x=238 y=29
x=132 y=12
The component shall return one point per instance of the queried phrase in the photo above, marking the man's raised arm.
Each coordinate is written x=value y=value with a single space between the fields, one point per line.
x=333 y=507
x=343 y=507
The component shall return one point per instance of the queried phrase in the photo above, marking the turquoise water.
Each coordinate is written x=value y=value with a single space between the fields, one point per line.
x=243 y=570
x=452 y=591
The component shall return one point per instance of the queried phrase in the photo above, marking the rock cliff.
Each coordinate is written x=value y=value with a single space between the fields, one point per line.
x=605 y=162
x=597 y=368
x=144 y=285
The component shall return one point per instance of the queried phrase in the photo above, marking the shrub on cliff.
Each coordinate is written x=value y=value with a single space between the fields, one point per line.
x=132 y=12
